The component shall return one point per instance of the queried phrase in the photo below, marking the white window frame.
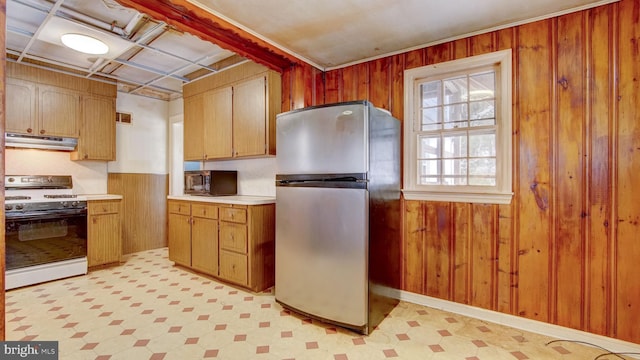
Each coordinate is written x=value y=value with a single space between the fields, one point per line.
x=502 y=192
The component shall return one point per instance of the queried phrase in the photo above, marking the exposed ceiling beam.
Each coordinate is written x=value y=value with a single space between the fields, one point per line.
x=189 y=18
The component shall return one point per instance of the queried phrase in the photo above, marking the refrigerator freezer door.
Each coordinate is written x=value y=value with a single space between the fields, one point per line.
x=323 y=140
x=321 y=252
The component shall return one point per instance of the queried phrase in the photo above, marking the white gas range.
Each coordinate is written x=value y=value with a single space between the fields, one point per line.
x=45 y=229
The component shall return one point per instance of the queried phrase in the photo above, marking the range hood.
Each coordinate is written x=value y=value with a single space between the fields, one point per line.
x=40 y=142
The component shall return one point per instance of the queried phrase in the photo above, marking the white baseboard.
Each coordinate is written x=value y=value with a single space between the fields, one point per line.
x=534 y=326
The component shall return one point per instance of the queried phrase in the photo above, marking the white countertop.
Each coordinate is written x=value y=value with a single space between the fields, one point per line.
x=91 y=197
x=229 y=199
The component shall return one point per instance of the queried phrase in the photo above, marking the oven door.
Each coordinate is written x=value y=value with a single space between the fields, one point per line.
x=43 y=237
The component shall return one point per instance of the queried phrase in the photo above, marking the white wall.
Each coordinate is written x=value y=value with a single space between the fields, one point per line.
x=89 y=177
x=142 y=147
x=255 y=176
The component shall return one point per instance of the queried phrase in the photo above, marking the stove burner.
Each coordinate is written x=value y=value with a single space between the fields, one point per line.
x=62 y=196
x=17 y=197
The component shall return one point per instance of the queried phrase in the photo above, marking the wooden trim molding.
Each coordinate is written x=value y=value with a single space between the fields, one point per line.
x=194 y=20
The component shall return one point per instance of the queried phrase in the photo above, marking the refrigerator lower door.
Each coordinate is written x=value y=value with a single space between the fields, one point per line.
x=322 y=253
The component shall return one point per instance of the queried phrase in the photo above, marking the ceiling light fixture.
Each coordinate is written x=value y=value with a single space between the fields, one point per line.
x=85 y=44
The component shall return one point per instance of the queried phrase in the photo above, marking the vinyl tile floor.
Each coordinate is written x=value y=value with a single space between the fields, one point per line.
x=146 y=308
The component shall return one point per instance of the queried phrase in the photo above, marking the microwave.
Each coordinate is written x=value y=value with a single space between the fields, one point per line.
x=211 y=182
x=197 y=182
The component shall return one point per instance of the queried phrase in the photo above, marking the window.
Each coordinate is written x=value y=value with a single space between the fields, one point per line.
x=458 y=130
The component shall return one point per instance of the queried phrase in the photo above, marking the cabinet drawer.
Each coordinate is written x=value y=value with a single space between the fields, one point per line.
x=233 y=237
x=237 y=215
x=179 y=207
x=233 y=267
x=103 y=207
x=208 y=211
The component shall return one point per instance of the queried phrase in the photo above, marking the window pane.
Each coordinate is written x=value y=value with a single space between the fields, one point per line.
x=431 y=119
x=429 y=147
x=482 y=86
x=482 y=172
x=455 y=145
x=454 y=172
x=482 y=109
x=455 y=90
x=431 y=93
x=429 y=172
x=455 y=116
x=482 y=144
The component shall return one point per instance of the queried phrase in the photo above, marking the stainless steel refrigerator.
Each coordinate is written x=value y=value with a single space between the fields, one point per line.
x=337 y=212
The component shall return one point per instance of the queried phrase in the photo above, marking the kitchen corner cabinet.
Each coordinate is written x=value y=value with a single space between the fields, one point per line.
x=37 y=109
x=97 y=138
x=104 y=232
x=232 y=121
x=234 y=243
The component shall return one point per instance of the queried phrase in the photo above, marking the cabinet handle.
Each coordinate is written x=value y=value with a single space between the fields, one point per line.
x=42 y=131
x=29 y=130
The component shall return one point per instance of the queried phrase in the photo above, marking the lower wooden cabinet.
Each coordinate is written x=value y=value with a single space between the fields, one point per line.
x=235 y=243
x=204 y=238
x=179 y=232
x=104 y=232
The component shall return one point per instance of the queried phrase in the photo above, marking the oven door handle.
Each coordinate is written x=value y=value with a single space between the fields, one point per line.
x=40 y=215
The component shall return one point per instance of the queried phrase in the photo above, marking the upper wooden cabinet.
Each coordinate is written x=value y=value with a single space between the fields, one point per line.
x=37 y=109
x=232 y=114
x=42 y=102
x=208 y=125
x=20 y=106
x=97 y=140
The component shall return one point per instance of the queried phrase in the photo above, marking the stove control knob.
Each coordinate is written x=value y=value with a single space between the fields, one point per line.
x=75 y=204
x=8 y=207
x=64 y=204
x=19 y=206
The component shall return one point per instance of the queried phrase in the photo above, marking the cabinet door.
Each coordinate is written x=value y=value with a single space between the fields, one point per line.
x=204 y=242
x=249 y=118
x=59 y=111
x=97 y=140
x=180 y=239
x=218 y=123
x=20 y=113
x=233 y=237
x=193 y=127
x=104 y=244
x=233 y=267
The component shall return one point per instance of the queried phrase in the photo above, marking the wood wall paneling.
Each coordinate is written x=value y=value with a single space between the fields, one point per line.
x=3 y=13
x=565 y=250
x=144 y=209
x=569 y=171
x=627 y=252
x=600 y=112
x=534 y=165
x=413 y=247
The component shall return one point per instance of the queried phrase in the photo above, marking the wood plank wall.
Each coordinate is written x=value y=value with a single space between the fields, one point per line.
x=566 y=250
x=3 y=13
x=144 y=207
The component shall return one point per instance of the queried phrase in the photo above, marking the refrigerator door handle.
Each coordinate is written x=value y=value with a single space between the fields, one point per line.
x=323 y=183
